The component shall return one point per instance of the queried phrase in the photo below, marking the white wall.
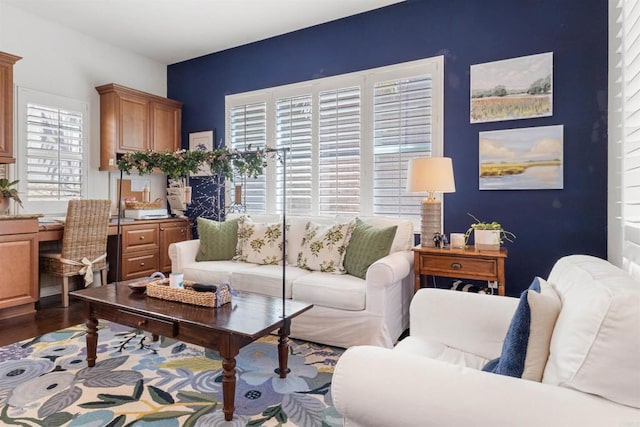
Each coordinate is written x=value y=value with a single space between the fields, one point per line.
x=63 y=62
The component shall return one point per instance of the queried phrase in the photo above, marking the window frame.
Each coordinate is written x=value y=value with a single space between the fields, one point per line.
x=366 y=80
x=27 y=96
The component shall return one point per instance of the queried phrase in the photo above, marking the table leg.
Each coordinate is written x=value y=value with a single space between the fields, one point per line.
x=92 y=340
x=229 y=349
x=283 y=352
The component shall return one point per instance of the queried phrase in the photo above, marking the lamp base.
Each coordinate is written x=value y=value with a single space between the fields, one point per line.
x=430 y=221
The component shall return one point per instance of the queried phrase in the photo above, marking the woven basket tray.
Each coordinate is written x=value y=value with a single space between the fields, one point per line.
x=132 y=204
x=160 y=289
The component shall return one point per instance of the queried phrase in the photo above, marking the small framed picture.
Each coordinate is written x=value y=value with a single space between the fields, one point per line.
x=201 y=141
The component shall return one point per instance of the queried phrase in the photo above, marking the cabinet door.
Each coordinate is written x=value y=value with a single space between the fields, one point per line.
x=171 y=232
x=19 y=267
x=133 y=123
x=6 y=106
x=165 y=127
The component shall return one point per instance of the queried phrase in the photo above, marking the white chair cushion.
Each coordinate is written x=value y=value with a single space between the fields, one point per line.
x=343 y=292
x=595 y=347
x=438 y=351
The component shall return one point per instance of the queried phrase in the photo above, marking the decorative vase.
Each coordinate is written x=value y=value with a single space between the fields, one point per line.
x=187 y=194
x=486 y=240
x=4 y=205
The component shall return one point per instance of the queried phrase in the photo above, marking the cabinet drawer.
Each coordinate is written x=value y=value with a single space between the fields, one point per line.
x=139 y=265
x=155 y=326
x=139 y=238
x=458 y=266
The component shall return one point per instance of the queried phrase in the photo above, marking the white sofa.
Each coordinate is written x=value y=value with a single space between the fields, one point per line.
x=347 y=310
x=433 y=377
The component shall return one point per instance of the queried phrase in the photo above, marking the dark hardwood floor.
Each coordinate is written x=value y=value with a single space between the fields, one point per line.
x=50 y=317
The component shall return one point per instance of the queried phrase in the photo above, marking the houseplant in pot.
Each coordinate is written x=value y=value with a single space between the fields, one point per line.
x=8 y=191
x=488 y=236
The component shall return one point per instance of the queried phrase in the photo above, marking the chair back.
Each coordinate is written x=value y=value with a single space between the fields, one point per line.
x=86 y=230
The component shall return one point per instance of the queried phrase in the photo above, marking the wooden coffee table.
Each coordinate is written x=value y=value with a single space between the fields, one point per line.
x=226 y=329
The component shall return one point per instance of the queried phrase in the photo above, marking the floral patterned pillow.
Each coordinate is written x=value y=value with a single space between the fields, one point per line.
x=324 y=247
x=259 y=243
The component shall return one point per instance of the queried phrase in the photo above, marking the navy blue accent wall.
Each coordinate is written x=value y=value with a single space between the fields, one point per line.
x=548 y=223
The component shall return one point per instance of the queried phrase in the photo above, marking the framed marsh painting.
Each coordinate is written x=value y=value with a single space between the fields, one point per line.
x=516 y=88
x=522 y=159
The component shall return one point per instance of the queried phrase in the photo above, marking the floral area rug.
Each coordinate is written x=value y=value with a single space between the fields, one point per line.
x=45 y=381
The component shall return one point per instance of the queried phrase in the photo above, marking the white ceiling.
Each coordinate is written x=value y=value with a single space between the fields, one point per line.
x=170 y=31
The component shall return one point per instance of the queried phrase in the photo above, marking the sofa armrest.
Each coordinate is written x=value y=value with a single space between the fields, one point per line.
x=183 y=253
x=476 y=323
x=374 y=386
x=390 y=269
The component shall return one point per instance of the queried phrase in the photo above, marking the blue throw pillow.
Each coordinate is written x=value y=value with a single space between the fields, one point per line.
x=526 y=346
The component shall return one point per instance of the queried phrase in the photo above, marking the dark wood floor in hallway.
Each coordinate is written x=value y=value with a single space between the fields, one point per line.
x=51 y=316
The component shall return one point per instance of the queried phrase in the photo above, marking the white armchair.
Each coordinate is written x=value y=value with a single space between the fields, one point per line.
x=434 y=377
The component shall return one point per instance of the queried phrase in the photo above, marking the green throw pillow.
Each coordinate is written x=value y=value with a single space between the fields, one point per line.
x=218 y=240
x=367 y=245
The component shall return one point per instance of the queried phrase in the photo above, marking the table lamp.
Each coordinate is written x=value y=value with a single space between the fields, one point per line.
x=429 y=175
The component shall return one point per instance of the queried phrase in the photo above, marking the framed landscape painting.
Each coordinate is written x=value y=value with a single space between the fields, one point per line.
x=522 y=159
x=517 y=88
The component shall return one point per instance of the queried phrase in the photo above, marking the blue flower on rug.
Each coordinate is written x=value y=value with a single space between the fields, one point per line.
x=140 y=382
x=259 y=363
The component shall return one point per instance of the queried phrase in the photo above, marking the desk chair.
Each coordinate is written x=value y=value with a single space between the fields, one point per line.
x=84 y=245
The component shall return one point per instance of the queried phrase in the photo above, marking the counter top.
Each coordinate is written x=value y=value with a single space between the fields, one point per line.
x=20 y=216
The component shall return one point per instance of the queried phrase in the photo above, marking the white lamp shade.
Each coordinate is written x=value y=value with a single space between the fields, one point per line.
x=430 y=174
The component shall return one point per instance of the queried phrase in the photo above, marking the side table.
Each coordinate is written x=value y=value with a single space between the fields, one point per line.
x=460 y=264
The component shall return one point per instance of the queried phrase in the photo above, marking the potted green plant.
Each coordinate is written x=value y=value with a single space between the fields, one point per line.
x=8 y=191
x=488 y=235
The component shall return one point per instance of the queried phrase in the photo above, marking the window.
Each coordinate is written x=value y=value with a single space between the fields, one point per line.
x=350 y=138
x=52 y=165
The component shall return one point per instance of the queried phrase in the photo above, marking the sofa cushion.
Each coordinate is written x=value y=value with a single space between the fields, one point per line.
x=526 y=345
x=367 y=245
x=266 y=279
x=214 y=271
x=596 y=342
x=259 y=243
x=218 y=240
x=342 y=292
x=404 y=238
x=324 y=247
x=295 y=233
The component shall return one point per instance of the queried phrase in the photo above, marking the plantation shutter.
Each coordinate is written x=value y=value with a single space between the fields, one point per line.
x=401 y=132
x=248 y=131
x=55 y=153
x=294 y=130
x=339 y=151
x=631 y=135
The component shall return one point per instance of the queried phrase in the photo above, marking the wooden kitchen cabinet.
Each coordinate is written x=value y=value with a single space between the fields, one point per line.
x=145 y=247
x=132 y=120
x=6 y=107
x=171 y=232
x=19 y=266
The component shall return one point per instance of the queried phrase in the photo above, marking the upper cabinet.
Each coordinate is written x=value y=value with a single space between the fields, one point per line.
x=131 y=120
x=6 y=107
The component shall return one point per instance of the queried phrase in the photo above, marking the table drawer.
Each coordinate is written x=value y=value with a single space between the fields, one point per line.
x=143 y=237
x=149 y=324
x=461 y=267
x=139 y=264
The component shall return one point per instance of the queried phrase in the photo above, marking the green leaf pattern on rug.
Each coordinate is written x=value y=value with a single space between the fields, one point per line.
x=136 y=381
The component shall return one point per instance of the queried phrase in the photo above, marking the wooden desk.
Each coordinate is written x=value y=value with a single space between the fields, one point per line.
x=228 y=328
x=144 y=245
x=460 y=264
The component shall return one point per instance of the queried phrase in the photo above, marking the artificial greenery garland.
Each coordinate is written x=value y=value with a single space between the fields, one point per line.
x=179 y=164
